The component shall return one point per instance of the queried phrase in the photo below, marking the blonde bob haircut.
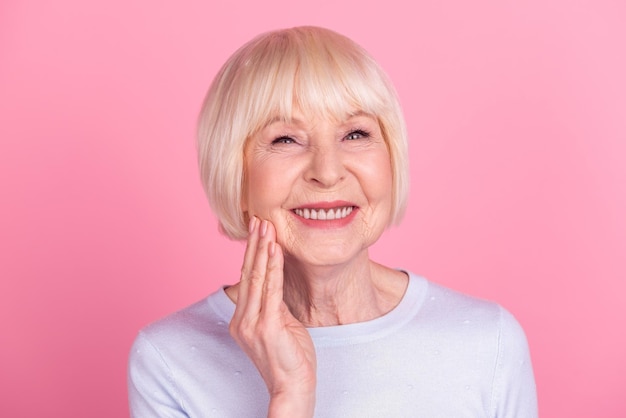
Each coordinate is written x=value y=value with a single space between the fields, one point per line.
x=314 y=70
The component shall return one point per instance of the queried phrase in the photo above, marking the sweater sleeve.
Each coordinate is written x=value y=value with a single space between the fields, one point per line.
x=152 y=391
x=513 y=392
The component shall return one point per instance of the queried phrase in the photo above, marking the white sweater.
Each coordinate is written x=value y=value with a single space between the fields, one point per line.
x=437 y=354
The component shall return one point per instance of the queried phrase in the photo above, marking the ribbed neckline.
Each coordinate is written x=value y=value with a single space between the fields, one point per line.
x=350 y=333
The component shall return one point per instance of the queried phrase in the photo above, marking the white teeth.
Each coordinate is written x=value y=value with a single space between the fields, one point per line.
x=324 y=215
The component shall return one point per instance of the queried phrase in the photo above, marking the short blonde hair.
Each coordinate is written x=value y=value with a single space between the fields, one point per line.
x=311 y=69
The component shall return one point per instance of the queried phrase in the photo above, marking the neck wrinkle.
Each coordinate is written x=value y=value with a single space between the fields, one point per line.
x=330 y=296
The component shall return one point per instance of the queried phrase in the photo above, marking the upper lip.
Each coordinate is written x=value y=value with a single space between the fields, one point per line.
x=326 y=205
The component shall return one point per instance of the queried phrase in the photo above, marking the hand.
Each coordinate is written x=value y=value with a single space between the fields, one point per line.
x=276 y=342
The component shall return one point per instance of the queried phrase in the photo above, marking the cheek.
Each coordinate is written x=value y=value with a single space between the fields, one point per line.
x=285 y=233
x=268 y=188
x=379 y=193
x=379 y=178
x=258 y=189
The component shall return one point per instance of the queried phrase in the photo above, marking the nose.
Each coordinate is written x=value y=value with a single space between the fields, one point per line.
x=326 y=166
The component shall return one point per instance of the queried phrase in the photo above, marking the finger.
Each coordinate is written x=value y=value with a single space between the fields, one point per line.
x=257 y=276
x=246 y=268
x=273 y=288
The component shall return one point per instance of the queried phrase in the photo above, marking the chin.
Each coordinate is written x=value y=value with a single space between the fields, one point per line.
x=324 y=255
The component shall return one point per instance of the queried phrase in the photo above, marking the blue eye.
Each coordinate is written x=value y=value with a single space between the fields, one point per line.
x=283 y=140
x=357 y=134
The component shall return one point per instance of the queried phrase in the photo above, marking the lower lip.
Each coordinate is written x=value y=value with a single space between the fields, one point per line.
x=331 y=224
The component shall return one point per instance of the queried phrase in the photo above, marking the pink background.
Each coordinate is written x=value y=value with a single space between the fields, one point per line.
x=517 y=117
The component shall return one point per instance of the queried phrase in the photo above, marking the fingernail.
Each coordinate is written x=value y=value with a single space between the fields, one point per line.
x=272 y=248
x=263 y=227
x=252 y=224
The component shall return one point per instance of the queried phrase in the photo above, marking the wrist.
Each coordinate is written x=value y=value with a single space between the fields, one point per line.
x=292 y=405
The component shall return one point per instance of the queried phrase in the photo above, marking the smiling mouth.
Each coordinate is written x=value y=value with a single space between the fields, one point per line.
x=324 y=214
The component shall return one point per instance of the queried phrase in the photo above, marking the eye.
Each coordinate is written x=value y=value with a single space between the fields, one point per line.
x=283 y=140
x=357 y=134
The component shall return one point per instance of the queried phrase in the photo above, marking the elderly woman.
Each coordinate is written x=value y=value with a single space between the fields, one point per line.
x=303 y=153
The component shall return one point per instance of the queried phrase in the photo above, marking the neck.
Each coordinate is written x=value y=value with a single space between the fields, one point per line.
x=333 y=295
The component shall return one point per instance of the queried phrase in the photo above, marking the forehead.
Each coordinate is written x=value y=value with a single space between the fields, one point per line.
x=331 y=85
x=300 y=118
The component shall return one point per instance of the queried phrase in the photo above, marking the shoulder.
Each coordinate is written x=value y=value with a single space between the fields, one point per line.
x=472 y=322
x=169 y=355
x=464 y=309
x=207 y=317
x=444 y=304
x=488 y=336
x=168 y=343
